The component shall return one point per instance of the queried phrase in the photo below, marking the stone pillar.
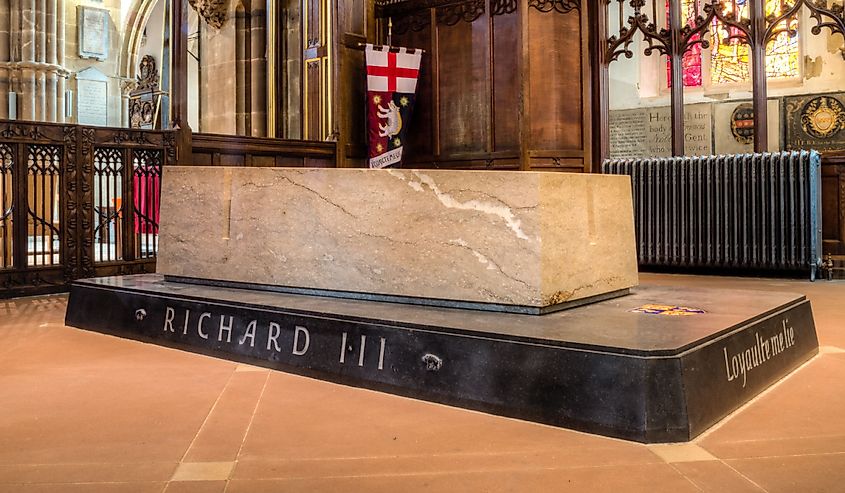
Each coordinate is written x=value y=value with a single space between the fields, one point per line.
x=61 y=74
x=179 y=82
x=41 y=58
x=5 y=56
x=31 y=58
x=50 y=97
x=26 y=92
x=258 y=69
x=242 y=64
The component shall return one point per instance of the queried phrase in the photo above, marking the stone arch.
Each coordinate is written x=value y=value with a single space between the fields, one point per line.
x=135 y=23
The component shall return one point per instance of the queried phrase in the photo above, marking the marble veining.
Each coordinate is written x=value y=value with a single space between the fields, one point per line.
x=512 y=238
x=448 y=201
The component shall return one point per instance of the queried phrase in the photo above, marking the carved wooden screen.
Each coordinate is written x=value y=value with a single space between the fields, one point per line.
x=7 y=195
x=44 y=172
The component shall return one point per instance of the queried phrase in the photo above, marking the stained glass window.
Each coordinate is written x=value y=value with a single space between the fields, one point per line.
x=692 y=58
x=729 y=57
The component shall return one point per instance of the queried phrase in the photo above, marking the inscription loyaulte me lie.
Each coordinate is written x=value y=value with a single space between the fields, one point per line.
x=739 y=365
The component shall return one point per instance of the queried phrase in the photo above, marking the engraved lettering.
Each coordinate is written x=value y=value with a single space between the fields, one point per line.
x=762 y=350
x=731 y=375
x=343 y=348
x=250 y=333
x=227 y=328
x=185 y=326
x=297 y=331
x=273 y=336
x=168 y=319
x=202 y=334
x=361 y=351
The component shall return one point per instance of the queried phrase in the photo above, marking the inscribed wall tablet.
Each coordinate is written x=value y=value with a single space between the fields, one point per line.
x=93 y=25
x=647 y=132
x=522 y=239
x=815 y=121
x=92 y=97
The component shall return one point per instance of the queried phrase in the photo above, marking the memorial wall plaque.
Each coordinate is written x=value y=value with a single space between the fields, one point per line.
x=92 y=97
x=733 y=127
x=647 y=132
x=93 y=26
x=815 y=121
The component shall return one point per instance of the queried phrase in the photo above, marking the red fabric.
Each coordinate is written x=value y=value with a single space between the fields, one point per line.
x=378 y=144
x=147 y=192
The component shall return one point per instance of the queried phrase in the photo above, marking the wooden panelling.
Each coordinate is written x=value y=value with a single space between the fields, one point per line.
x=555 y=84
x=356 y=17
x=229 y=150
x=506 y=81
x=501 y=82
x=833 y=204
x=313 y=100
x=464 y=101
x=313 y=24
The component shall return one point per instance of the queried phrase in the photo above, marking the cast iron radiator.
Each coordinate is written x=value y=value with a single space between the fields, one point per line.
x=750 y=211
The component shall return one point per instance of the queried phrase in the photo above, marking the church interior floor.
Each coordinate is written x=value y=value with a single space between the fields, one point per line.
x=82 y=411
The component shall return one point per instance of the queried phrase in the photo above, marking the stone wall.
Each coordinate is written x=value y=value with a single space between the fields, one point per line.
x=39 y=57
x=233 y=72
x=32 y=54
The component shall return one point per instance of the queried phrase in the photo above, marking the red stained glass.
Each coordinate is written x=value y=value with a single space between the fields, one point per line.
x=692 y=59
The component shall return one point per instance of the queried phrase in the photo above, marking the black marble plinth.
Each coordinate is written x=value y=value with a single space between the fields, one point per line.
x=600 y=368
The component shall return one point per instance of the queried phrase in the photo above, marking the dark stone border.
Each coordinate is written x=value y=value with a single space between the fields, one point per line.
x=408 y=300
x=599 y=390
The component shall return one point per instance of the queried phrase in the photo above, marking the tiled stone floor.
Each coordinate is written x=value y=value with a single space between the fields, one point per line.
x=81 y=411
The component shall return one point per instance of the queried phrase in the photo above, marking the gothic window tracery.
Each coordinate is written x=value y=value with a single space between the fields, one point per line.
x=729 y=56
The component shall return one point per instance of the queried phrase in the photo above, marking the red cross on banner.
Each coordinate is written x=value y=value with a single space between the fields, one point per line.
x=392 y=69
x=392 y=72
x=391 y=85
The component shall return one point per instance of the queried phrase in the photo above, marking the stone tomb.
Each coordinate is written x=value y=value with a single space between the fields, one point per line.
x=508 y=241
x=656 y=365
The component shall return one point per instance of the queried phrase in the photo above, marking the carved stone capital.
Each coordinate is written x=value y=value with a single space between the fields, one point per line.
x=214 y=12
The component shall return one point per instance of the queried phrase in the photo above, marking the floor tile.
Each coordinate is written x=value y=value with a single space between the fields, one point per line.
x=801 y=415
x=83 y=488
x=806 y=473
x=86 y=473
x=123 y=413
x=223 y=432
x=680 y=452
x=243 y=367
x=303 y=418
x=203 y=471
x=716 y=477
x=409 y=464
x=196 y=487
x=654 y=478
x=82 y=411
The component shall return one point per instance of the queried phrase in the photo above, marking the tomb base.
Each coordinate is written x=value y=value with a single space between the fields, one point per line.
x=627 y=367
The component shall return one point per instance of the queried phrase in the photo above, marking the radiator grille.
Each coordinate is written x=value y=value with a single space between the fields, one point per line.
x=755 y=211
